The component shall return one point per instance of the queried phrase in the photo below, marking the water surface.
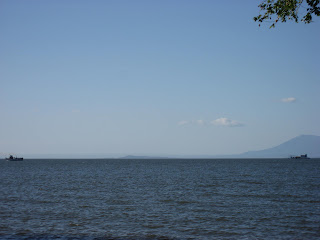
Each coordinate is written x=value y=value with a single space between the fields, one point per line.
x=160 y=199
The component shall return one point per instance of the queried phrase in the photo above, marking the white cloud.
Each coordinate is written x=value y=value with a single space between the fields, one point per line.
x=199 y=122
x=183 y=122
x=194 y=122
x=226 y=122
x=218 y=122
x=288 y=100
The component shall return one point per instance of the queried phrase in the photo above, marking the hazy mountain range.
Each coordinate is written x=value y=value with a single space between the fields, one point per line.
x=304 y=144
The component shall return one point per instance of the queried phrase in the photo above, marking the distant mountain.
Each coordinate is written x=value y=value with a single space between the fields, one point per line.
x=141 y=157
x=304 y=144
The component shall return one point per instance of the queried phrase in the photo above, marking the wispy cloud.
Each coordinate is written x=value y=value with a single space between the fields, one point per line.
x=75 y=111
x=183 y=122
x=226 y=122
x=194 y=122
x=218 y=122
x=288 y=100
x=200 y=122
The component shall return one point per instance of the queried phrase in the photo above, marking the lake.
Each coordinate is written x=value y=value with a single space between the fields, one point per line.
x=160 y=199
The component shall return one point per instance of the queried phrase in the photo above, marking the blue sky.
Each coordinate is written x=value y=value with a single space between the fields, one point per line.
x=153 y=77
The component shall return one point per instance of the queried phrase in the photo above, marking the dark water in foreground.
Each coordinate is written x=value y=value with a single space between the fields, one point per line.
x=160 y=199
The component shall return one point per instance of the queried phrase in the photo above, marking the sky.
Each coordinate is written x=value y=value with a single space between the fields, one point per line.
x=170 y=77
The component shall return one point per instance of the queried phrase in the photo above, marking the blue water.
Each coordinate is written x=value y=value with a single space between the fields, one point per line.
x=160 y=199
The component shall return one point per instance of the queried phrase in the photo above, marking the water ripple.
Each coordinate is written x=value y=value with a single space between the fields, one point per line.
x=160 y=199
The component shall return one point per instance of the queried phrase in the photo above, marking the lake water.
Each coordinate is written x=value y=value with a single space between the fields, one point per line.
x=160 y=199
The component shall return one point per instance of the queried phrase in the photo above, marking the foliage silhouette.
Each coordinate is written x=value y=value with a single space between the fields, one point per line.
x=274 y=11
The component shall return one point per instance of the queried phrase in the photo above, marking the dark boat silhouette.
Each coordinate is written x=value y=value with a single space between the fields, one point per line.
x=305 y=156
x=12 y=158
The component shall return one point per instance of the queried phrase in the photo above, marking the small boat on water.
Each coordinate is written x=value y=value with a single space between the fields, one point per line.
x=12 y=158
x=305 y=156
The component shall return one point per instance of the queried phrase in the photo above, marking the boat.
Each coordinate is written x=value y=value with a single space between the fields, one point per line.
x=305 y=156
x=12 y=158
